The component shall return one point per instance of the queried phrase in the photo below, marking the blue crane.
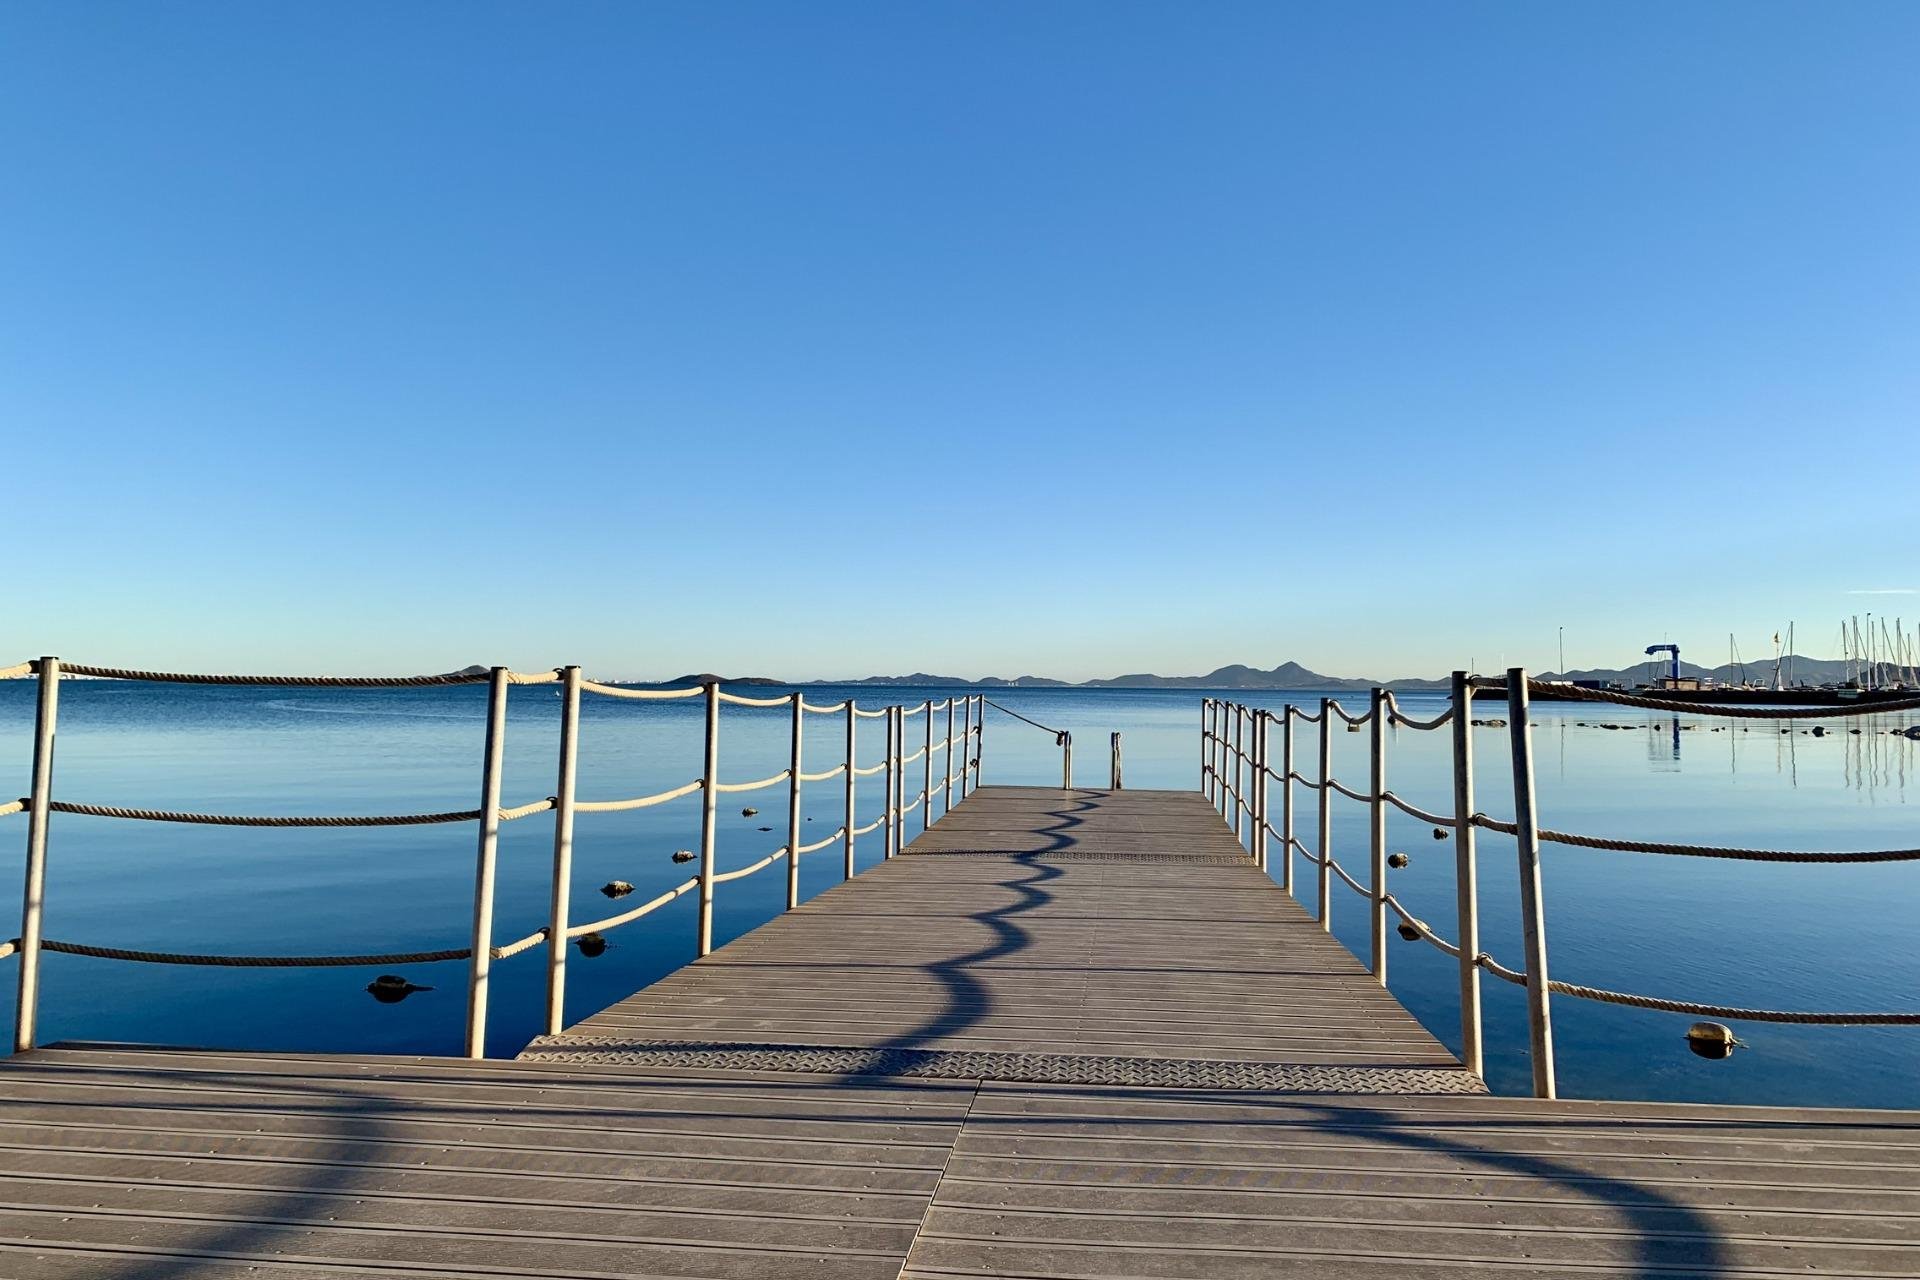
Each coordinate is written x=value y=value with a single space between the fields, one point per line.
x=1674 y=649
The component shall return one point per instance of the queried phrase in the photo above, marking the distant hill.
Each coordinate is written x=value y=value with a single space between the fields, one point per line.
x=1291 y=675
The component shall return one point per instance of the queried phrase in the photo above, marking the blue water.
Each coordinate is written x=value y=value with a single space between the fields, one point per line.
x=1733 y=933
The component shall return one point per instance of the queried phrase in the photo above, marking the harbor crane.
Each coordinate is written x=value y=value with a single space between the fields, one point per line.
x=1674 y=649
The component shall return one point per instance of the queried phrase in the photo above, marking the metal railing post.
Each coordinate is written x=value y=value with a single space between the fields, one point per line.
x=481 y=961
x=1286 y=798
x=947 y=806
x=1465 y=875
x=1206 y=746
x=1220 y=755
x=890 y=828
x=980 y=741
x=1066 y=761
x=1325 y=903
x=853 y=735
x=34 y=892
x=559 y=903
x=795 y=759
x=1260 y=788
x=1239 y=766
x=1377 y=832
x=1116 y=762
x=1533 y=923
x=709 y=817
x=926 y=773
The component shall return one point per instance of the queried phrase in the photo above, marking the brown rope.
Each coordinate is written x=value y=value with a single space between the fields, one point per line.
x=241 y=820
x=1701 y=850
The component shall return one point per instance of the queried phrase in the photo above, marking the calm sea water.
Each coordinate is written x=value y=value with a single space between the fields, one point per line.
x=1735 y=933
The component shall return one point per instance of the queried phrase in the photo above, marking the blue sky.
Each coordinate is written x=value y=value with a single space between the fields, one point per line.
x=1073 y=338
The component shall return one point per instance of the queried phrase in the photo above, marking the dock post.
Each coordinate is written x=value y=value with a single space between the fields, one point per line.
x=1220 y=754
x=1116 y=762
x=1239 y=767
x=947 y=807
x=1066 y=761
x=1325 y=902
x=709 y=818
x=33 y=895
x=1533 y=922
x=926 y=773
x=1286 y=798
x=1465 y=875
x=481 y=960
x=559 y=904
x=886 y=788
x=795 y=760
x=1377 y=844
x=853 y=734
x=1260 y=719
x=1206 y=745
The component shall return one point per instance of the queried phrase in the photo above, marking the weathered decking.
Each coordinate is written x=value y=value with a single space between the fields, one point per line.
x=1070 y=1034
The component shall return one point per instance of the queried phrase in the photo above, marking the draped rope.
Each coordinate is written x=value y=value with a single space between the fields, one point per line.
x=817 y=845
x=1438 y=820
x=1699 y=850
x=1573 y=693
x=508 y=951
x=743 y=872
x=479 y=676
x=242 y=820
x=643 y=802
x=617 y=691
x=729 y=787
x=1017 y=716
x=741 y=701
x=14 y=806
x=628 y=917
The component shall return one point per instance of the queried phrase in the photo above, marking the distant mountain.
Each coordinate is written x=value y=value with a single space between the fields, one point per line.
x=1291 y=675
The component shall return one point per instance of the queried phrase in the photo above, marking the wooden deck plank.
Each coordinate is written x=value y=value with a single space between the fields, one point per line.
x=1097 y=936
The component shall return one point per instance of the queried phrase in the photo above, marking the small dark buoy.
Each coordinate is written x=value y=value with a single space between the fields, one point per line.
x=1408 y=932
x=748 y=813
x=1398 y=860
x=616 y=888
x=1820 y=731
x=766 y=828
x=391 y=988
x=591 y=945
x=1439 y=833
x=1711 y=1040
x=683 y=855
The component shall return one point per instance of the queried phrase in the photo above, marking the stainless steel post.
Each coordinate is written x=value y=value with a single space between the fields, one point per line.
x=559 y=902
x=853 y=735
x=796 y=758
x=1377 y=832
x=1206 y=747
x=926 y=773
x=1326 y=813
x=1260 y=788
x=1239 y=766
x=1533 y=923
x=1465 y=874
x=1286 y=798
x=887 y=812
x=34 y=892
x=481 y=961
x=709 y=817
x=947 y=807
x=1115 y=784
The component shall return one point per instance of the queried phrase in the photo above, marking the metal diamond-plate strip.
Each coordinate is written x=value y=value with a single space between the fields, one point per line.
x=1070 y=855
x=1027 y=1068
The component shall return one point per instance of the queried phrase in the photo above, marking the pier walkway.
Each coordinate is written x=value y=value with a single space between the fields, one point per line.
x=1065 y=1034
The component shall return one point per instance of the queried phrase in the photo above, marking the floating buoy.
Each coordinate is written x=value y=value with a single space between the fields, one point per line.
x=391 y=988
x=616 y=888
x=1398 y=860
x=766 y=828
x=683 y=855
x=1408 y=932
x=1353 y=728
x=591 y=945
x=1820 y=731
x=1439 y=833
x=748 y=813
x=1711 y=1040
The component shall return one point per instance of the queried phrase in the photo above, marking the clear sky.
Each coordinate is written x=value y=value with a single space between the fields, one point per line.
x=819 y=339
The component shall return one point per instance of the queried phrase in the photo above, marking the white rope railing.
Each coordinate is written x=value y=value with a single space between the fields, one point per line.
x=648 y=695
x=733 y=788
x=1527 y=832
x=641 y=802
x=489 y=816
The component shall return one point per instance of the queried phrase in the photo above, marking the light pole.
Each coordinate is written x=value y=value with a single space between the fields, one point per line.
x=1563 y=653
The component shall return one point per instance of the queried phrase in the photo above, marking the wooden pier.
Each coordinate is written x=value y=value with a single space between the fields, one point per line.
x=1066 y=1034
